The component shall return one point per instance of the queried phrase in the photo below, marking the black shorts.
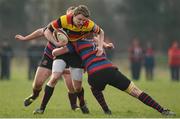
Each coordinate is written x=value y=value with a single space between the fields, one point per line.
x=111 y=76
x=46 y=62
x=71 y=60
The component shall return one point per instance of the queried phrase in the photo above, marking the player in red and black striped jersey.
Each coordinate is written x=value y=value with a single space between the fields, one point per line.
x=101 y=71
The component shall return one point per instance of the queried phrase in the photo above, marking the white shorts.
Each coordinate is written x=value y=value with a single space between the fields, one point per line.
x=76 y=73
x=58 y=66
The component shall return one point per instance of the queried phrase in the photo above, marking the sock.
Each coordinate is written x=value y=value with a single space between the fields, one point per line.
x=80 y=96
x=35 y=93
x=72 y=99
x=100 y=98
x=47 y=95
x=146 y=99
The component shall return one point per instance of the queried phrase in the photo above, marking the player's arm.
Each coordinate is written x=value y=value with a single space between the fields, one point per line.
x=34 y=35
x=100 y=42
x=60 y=51
x=105 y=44
x=63 y=50
x=100 y=36
x=48 y=33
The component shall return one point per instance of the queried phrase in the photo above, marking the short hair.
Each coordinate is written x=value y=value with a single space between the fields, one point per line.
x=71 y=8
x=82 y=9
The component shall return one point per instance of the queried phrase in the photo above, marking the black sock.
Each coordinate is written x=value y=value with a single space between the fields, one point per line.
x=100 y=98
x=146 y=99
x=35 y=93
x=72 y=99
x=80 y=96
x=47 y=95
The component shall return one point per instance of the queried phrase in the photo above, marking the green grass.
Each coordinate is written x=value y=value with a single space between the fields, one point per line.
x=13 y=92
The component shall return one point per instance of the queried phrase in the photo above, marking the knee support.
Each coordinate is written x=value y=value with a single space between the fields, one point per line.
x=133 y=90
x=58 y=65
x=76 y=73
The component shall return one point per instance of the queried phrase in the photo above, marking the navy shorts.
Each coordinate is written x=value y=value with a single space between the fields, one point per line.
x=111 y=76
x=46 y=62
x=71 y=59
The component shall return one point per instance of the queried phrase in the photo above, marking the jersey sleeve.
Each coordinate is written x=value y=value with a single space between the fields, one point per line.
x=55 y=25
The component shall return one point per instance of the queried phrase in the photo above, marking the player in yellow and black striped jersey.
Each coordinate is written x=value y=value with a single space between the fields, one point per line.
x=74 y=32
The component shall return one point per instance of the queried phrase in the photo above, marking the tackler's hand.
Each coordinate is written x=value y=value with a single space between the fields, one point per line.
x=110 y=45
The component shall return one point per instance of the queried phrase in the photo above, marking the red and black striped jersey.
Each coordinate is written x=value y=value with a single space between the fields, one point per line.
x=87 y=51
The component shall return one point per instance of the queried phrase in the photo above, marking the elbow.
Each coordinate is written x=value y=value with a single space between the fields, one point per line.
x=47 y=32
x=41 y=31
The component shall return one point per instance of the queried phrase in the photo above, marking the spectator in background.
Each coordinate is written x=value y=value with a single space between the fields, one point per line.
x=149 y=61
x=174 y=60
x=135 y=58
x=6 y=57
x=34 y=56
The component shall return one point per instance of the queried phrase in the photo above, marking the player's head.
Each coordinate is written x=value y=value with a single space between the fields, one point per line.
x=81 y=15
x=70 y=10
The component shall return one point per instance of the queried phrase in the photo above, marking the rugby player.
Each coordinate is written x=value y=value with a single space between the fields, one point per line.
x=100 y=70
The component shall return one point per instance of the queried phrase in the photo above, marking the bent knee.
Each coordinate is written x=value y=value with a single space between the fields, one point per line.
x=54 y=79
x=133 y=90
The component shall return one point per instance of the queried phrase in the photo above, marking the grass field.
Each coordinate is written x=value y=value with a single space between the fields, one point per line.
x=13 y=92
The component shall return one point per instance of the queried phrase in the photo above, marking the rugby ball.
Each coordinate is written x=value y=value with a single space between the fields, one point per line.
x=60 y=36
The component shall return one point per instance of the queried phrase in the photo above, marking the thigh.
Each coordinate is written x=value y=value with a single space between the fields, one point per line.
x=118 y=80
x=42 y=74
x=98 y=80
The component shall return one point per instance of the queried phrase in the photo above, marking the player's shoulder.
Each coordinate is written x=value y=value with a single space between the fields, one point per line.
x=63 y=17
x=89 y=24
x=66 y=19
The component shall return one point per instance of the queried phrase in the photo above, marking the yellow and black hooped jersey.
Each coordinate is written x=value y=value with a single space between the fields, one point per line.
x=66 y=23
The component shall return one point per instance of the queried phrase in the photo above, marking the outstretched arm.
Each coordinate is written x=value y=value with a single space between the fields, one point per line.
x=36 y=34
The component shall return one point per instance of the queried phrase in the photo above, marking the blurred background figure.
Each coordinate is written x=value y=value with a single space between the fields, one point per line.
x=174 y=61
x=34 y=53
x=6 y=57
x=149 y=61
x=135 y=58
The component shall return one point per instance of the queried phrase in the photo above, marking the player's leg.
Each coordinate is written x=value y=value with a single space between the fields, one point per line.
x=134 y=91
x=98 y=81
x=41 y=75
x=71 y=91
x=123 y=83
x=43 y=72
x=57 y=70
x=77 y=75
